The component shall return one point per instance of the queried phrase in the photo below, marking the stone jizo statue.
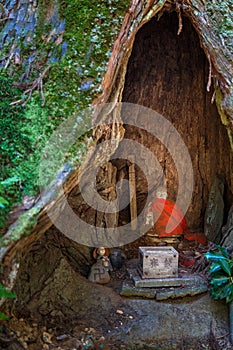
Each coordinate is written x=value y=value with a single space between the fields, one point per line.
x=100 y=270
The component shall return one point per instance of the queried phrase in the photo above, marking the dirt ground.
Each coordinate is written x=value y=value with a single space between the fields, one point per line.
x=92 y=332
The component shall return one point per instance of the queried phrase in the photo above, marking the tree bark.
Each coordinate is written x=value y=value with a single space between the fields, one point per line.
x=46 y=256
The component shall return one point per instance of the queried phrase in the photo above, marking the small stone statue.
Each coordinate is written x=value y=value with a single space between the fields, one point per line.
x=100 y=270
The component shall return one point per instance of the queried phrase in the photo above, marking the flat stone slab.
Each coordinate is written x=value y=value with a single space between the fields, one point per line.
x=181 y=281
x=163 y=288
x=180 y=292
x=129 y=290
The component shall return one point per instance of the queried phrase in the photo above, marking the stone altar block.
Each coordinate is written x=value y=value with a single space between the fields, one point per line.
x=158 y=262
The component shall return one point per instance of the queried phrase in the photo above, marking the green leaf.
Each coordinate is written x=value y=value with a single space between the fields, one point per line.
x=220 y=292
x=214 y=267
x=3 y=317
x=219 y=281
x=223 y=251
x=5 y=293
x=219 y=274
x=216 y=256
x=3 y=200
x=10 y=181
x=225 y=266
x=229 y=297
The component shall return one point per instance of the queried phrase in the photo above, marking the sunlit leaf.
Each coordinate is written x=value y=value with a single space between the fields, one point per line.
x=216 y=256
x=214 y=267
x=10 y=181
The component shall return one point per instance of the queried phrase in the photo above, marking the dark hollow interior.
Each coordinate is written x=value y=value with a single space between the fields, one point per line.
x=169 y=73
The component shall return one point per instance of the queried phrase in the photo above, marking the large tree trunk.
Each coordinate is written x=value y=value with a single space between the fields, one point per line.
x=169 y=73
x=153 y=66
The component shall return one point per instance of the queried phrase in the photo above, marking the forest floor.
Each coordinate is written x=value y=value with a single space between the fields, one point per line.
x=24 y=334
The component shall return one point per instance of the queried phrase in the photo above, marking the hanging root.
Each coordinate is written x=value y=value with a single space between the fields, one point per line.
x=210 y=74
x=37 y=84
x=178 y=11
x=214 y=93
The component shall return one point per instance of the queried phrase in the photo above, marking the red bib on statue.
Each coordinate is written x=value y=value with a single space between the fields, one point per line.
x=170 y=220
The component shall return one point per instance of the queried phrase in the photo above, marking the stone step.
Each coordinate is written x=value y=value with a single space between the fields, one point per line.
x=180 y=281
x=174 y=293
x=159 y=294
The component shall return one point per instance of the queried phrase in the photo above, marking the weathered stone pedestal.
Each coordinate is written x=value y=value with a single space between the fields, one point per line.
x=162 y=288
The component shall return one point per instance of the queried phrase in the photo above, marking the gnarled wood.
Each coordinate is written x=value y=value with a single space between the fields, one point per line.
x=116 y=87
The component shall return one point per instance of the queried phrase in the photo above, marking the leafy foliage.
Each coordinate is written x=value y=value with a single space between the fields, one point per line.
x=10 y=117
x=12 y=144
x=24 y=131
x=221 y=271
x=5 y=293
x=22 y=134
x=7 y=195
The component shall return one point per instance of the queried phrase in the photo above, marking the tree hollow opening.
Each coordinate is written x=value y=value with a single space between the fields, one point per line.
x=169 y=74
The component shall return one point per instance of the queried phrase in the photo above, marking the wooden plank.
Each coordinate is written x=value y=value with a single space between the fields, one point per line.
x=133 y=202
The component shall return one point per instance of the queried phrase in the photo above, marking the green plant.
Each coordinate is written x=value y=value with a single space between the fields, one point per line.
x=3 y=201
x=221 y=273
x=5 y=293
x=74 y=79
x=7 y=189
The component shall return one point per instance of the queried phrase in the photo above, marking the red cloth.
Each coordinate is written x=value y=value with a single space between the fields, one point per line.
x=168 y=212
x=198 y=237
